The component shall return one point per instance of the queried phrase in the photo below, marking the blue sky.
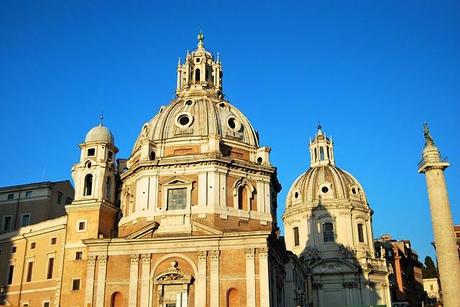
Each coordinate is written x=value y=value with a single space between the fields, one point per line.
x=370 y=71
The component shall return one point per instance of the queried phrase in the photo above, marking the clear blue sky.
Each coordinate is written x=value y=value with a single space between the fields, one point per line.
x=371 y=71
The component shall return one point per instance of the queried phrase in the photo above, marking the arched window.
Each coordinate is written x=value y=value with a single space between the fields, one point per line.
x=242 y=198
x=328 y=232
x=233 y=298
x=108 y=187
x=88 y=185
x=328 y=156
x=361 y=233
x=321 y=153
x=116 y=300
x=197 y=74
x=207 y=75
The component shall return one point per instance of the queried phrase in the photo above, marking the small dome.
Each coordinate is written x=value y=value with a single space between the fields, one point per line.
x=325 y=184
x=100 y=133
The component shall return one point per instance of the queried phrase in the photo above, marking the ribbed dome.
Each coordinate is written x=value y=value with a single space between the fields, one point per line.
x=326 y=183
x=100 y=133
x=199 y=118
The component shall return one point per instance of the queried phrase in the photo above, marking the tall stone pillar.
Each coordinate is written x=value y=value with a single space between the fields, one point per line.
x=250 y=278
x=101 y=277
x=446 y=247
x=264 y=278
x=200 y=289
x=215 y=277
x=90 y=280
x=133 y=280
x=145 y=285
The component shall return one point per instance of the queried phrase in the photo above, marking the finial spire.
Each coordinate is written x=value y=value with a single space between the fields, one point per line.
x=101 y=118
x=426 y=133
x=200 y=39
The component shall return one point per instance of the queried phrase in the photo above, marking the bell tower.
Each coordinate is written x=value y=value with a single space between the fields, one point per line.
x=321 y=150
x=200 y=73
x=93 y=209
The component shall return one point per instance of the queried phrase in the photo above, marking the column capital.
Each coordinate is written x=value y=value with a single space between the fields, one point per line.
x=92 y=260
x=202 y=255
x=134 y=258
x=263 y=252
x=215 y=255
x=102 y=259
x=145 y=258
x=249 y=253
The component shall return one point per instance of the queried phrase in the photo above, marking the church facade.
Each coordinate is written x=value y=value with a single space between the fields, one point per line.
x=189 y=219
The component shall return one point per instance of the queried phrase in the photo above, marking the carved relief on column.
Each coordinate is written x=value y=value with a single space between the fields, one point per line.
x=215 y=278
x=101 y=279
x=133 y=280
x=145 y=279
x=200 y=289
x=250 y=278
x=264 y=274
x=89 y=292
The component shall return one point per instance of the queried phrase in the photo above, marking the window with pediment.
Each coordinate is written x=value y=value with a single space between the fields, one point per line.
x=172 y=287
x=177 y=194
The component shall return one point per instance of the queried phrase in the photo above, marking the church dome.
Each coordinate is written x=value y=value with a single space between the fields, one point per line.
x=325 y=184
x=100 y=133
x=197 y=118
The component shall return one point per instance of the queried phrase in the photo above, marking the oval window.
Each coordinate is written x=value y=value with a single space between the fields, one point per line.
x=184 y=120
x=324 y=189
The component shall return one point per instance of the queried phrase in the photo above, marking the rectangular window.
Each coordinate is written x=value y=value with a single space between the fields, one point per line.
x=33 y=245
x=91 y=152
x=46 y=304
x=296 y=236
x=53 y=241
x=328 y=232
x=10 y=196
x=30 y=267
x=78 y=255
x=7 y=221
x=28 y=194
x=59 y=200
x=177 y=199
x=25 y=219
x=75 y=284
x=110 y=156
x=82 y=225
x=360 y=233
x=10 y=274
x=13 y=249
x=49 y=272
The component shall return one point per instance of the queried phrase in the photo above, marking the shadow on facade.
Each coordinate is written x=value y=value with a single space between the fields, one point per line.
x=336 y=274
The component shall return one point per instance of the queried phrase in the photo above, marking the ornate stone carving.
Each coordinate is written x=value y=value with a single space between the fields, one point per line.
x=202 y=256
x=102 y=259
x=215 y=255
x=173 y=275
x=249 y=253
x=263 y=253
x=92 y=260
x=145 y=258
x=135 y=259
x=347 y=252
x=309 y=256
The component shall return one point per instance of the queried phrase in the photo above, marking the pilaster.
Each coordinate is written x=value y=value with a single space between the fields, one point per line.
x=90 y=269
x=215 y=278
x=264 y=275
x=101 y=277
x=250 y=278
x=145 y=279
x=200 y=289
x=133 y=277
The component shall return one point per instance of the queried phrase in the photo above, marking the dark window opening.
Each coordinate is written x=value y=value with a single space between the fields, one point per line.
x=328 y=232
x=53 y=241
x=360 y=233
x=152 y=155
x=110 y=156
x=49 y=273
x=321 y=153
x=88 y=185
x=197 y=75
x=231 y=123
x=7 y=220
x=242 y=198
x=76 y=284
x=13 y=249
x=183 y=120
x=296 y=236
x=108 y=187
x=30 y=267
x=33 y=245
x=91 y=152
x=10 y=196
x=259 y=160
x=324 y=189
x=78 y=255
x=25 y=220
x=28 y=194
x=10 y=274
x=81 y=225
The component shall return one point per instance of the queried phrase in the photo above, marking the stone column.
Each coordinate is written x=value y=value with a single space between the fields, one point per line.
x=200 y=288
x=101 y=278
x=446 y=247
x=264 y=275
x=250 y=278
x=215 y=278
x=133 y=280
x=90 y=281
x=145 y=278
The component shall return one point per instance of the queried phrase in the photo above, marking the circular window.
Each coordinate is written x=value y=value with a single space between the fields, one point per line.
x=188 y=102
x=324 y=189
x=184 y=120
x=233 y=123
x=353 y=190
x=296 y=195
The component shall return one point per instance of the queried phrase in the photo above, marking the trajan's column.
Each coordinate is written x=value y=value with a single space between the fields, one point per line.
x=446 y=247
